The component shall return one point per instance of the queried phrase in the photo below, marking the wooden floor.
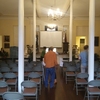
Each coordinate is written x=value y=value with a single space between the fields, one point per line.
x=62 y=91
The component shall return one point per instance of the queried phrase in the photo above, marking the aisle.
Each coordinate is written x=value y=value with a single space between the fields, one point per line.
x=62 y=91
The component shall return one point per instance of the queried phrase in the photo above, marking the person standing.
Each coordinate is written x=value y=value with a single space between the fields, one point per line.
x=84 y=59
x=3 y=53
x=43 y=53
x=50 y=60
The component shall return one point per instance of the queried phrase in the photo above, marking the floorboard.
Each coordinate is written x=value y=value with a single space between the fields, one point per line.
x=62 y=91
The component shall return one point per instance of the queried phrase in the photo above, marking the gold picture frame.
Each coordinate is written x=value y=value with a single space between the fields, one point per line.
x=6 y=45
x=6 y=38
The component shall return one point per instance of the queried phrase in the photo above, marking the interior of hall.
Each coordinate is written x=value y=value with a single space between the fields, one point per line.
x=80 y=34
x=80 y=30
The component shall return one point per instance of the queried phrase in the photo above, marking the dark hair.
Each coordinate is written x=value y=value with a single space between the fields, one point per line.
x=51 y=48
x=44 y=47
x=86 y=47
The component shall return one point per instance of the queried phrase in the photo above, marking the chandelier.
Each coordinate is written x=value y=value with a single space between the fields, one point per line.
x=54 y=14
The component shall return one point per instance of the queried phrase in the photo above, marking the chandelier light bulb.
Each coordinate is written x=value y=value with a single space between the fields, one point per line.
x=58 y=10
x=55 y=14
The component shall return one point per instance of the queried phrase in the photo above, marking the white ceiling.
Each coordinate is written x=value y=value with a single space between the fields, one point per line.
x=80 y=7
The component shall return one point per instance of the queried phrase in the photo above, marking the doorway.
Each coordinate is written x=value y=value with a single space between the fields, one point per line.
x=1 y=42
x=82 y=44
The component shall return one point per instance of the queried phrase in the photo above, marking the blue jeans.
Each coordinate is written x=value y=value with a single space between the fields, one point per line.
x=51 y=72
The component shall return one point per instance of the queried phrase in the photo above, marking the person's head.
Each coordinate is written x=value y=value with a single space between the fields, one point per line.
x=86 y=47
x=44 y=48
x=1 y=49
x=27 y=46
x=51 y=49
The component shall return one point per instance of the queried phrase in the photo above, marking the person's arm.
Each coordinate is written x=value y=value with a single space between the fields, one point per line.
x=79 y=58
x=43 y=62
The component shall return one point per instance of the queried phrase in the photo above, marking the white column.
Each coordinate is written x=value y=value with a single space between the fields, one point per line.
x=20 y=43
x=70 y=30
x=34 y=30
x=91 y=39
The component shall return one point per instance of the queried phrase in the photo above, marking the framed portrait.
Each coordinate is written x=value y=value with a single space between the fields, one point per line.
x=6 y=38
x=96 y=41
x=6 y=45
